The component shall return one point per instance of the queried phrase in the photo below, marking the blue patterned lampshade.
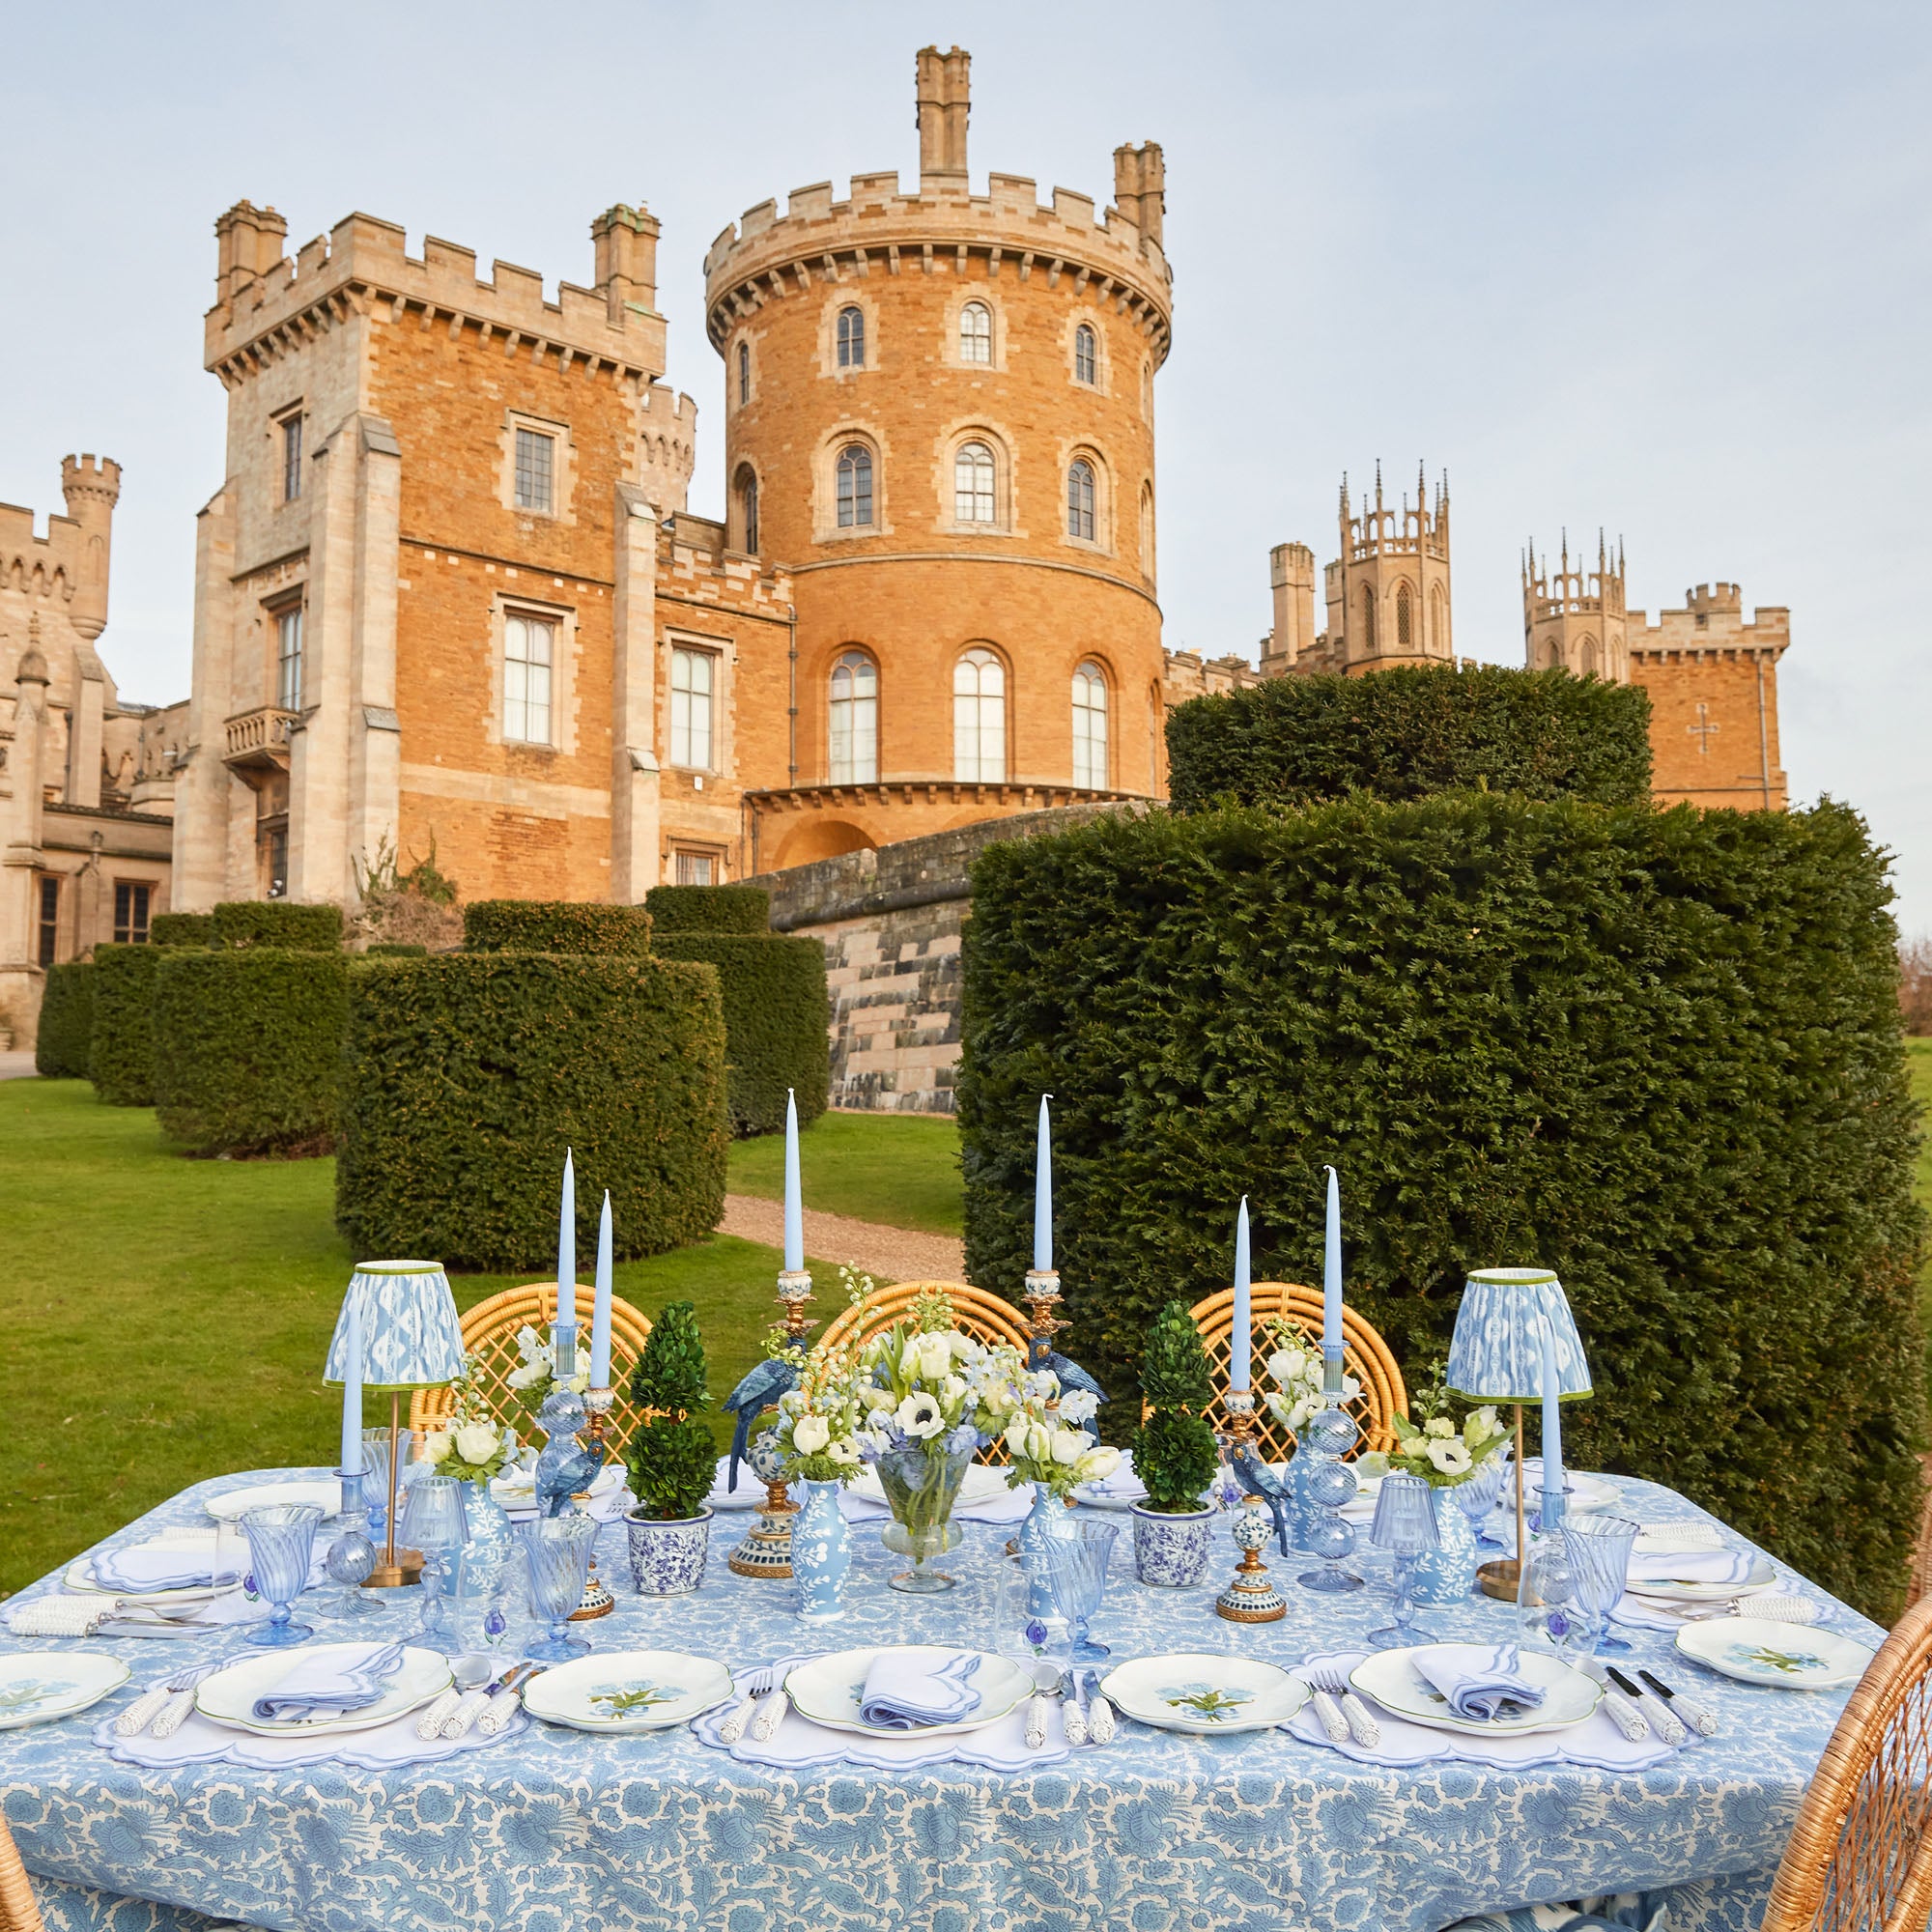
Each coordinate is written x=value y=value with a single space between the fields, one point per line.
x=410 y=1336
x=1496 y=1353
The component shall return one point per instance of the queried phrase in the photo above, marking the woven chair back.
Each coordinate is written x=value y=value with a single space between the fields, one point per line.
x=1365 y=1356
x=974 y=1311
x=1920 y=1581
x=1859 y=1857
x=490 y=1339
x=17 y=1910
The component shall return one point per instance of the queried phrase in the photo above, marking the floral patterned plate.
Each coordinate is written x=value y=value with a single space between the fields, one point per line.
x=1205 y=1694
x=36 y=1687
x=1793 y=1657
x=624 y=1691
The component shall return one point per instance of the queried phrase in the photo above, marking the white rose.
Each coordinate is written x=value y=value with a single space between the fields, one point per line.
x=810 y=1434
x=433 y=1448
x=919 y=1416
x=1097 y=1464
x=1452 y=1458
x=477 y=1442
x=935 y=1355
x=1439 y=1425
x=531 y=1372
x=1019 y=1432
x=1069 y=1447
x=1299 y=1414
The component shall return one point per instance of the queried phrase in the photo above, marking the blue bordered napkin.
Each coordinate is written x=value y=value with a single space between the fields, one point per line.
x=903 y=1691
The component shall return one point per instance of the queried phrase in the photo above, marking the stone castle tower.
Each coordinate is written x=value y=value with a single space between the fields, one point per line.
x=939 y=417
x=1575 y=620
x=1387 y=593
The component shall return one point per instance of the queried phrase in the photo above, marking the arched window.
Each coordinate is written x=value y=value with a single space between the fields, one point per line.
x=1147 y=530
x=1146 y=390
x=1438 y=643
x=855 y=720
x=1368 y=621
x=1080 y=499
x=976 y=334
x=851 y=338
x=855 y=487
x=1588 y=664
x=1084 y=347
x=744 y=373
x=1089 y=727
x=1403 y=627
x=973 y=497
x=979 y=717
x=748 y=507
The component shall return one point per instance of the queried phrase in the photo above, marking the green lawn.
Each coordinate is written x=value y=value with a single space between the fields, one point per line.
x=166 y=1319
x=901 y=1169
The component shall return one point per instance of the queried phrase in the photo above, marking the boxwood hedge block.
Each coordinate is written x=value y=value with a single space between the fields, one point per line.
x=1405 y=733
x=775 y=1014
x=709 y=908
x=1657 y=1052
x=278 y=922
x=249 y=1049
x=554 y=925
x=121 y=1051
x=61 y=1044
x=181 y=928
x=469 y=1073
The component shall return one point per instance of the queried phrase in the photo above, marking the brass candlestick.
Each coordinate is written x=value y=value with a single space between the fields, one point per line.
x=765 y=1549
x=1042 y=1301
x=597 y=1600
x=1249 y=1598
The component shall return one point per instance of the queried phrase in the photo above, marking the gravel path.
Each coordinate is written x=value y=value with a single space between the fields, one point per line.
x=893 y=1253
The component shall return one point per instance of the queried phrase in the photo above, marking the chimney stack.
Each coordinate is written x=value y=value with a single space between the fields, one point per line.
x=945 y=93
x=626 y=240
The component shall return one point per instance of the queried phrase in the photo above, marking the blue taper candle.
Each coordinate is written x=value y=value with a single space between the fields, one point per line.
x=1331 y=1271
x=1244 y=1319
x=794 y=1215
x=600 y=1319
x=566 y=1247
x=1553 y=1418
x=352 y=1392
x=1043 y=1195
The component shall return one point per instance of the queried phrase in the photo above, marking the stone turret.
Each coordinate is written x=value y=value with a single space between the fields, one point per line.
x=1574 y=618
x=92 y=488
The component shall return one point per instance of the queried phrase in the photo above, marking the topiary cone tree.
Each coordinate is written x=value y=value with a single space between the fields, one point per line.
x=1175 y=1451
x=671 y=1457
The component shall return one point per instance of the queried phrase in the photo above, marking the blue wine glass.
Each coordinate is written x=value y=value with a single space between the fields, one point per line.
x=1404 y=1525
x=1600 y=1552
x=1077 y=1557
x=281 y=1538
x=435 y=1522
x=1477 y=1496
x=557 y=1552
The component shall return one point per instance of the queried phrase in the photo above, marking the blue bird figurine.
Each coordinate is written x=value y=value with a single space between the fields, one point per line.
x=566 y=1468
x=1070 y=1373
x=756 y=1393
x=1258 y=1480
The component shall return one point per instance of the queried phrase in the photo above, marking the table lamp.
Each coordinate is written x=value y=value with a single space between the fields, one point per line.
x=404 y=1317
x=1496 y=1355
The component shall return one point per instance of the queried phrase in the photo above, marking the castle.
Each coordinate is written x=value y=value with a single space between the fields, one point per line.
x=450 y=594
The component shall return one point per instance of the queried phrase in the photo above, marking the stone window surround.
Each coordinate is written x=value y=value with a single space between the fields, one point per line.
x=734 y=504
x=563 y=467
x=872 y=657
x=742 y=354
x=719 y=650
x=277 y=431
x=1009 y=692
x=1147 y=534
x=952 y=442
x=844 y=296
x=562 y=673
x=1083 y=449
x=271 y=609
x=988 y=298
x=1102 y=383
x=1110 y=685
x=825 y=484
x=677 y=847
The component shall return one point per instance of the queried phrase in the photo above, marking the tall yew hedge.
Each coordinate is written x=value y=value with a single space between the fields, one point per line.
x=1657 y=1052
x=554 y=925
x=121 y=1051
x=1411 y=732
x=66 y=1028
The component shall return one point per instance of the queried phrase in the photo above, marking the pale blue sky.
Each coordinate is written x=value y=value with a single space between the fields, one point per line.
x=1663 y=267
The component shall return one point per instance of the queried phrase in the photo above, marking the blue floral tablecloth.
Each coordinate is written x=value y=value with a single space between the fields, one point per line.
x=559 y=1830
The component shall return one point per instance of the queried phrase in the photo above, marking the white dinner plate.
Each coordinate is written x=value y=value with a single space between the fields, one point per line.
x=1205 y=1694
x=1584 y=1494
x=1763 y=1574
x=982 y=1484
x=229 y=1505
x=228 y=1698
x=1390 y=1677
x=1793 y=1657
x=36 y=1687
x=829 y=1691
x=230 y=1551
x=625 y=1690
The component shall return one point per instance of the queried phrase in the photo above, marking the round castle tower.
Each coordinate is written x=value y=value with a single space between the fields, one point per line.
x=939 y=415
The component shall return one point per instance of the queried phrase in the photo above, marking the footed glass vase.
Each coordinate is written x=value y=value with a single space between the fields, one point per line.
x=1047 y=1517
x=1446 y=1573
x=821 y=1552
x=1302 y=1510
x=921 y=1485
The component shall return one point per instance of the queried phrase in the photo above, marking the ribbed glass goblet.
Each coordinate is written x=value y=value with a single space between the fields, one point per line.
x=436 y=1523
x=1477 y=1496
x=281 y=1537
x=1600 y=1552
x=1404 y=1525
x=1076 y=1567
x=556 y=1551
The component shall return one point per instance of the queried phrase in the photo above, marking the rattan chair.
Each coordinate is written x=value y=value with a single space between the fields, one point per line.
x=17 y=1910
x=1365 y=1356
x=490 y=1338
x=1919 y=1583
x=1859 y=1857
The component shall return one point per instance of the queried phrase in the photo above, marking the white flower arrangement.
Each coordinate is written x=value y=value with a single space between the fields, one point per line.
x=535 y=1375
x=1296 y=1370
x=471 y=1445
x=1044 y=1443
x=1437 y=1450
x=923 y=1383
x=818 y=1419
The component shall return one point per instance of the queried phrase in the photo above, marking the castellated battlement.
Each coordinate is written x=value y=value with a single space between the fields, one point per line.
x=91 y=476
x=265 y=300
x=1712 y=621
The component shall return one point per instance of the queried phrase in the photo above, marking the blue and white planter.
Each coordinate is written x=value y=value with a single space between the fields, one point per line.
x=821 y=1552
x=1448 y=1574
x=1171 y=1550
x=667 y=1557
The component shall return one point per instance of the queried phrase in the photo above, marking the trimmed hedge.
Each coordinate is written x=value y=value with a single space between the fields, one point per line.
x=777 y=1011
x=467 y=1075
x=709 y=908
x=554 y=925
x=1657 y=1052
x=62 y=1042
x=181 y=928
x=121 y=1053
x=1402 y=734
x=395 y=949
x=249 y=1049
x=278 y=922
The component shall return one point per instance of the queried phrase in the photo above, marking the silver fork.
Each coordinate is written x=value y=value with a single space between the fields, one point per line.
x=1327 y=1680
x=759 y=1685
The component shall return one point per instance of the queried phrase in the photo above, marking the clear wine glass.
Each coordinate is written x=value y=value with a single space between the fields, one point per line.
x=435 y=1522
x=1404 y=1525
x=556 y=1551
x=1600 y=1551
x=1477 y=1496
x=1076 y=1565
x=281 y=1538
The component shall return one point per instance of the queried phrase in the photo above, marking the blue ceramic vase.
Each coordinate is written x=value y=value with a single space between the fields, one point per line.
x=821 y=1552
x=1448 y=1574
x=1303 y=1513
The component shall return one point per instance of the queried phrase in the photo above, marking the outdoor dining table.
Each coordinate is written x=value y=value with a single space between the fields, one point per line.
x=553 y=1830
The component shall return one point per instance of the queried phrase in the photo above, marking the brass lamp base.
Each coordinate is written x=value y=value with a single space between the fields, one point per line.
x=407 y=1569
x=1498 y=1579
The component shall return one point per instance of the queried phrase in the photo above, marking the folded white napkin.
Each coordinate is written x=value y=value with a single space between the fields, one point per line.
x=905 y=1690
x=1481 y=1681
x=1688 y=1565
x=161 y=1566
x=319 y=1685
